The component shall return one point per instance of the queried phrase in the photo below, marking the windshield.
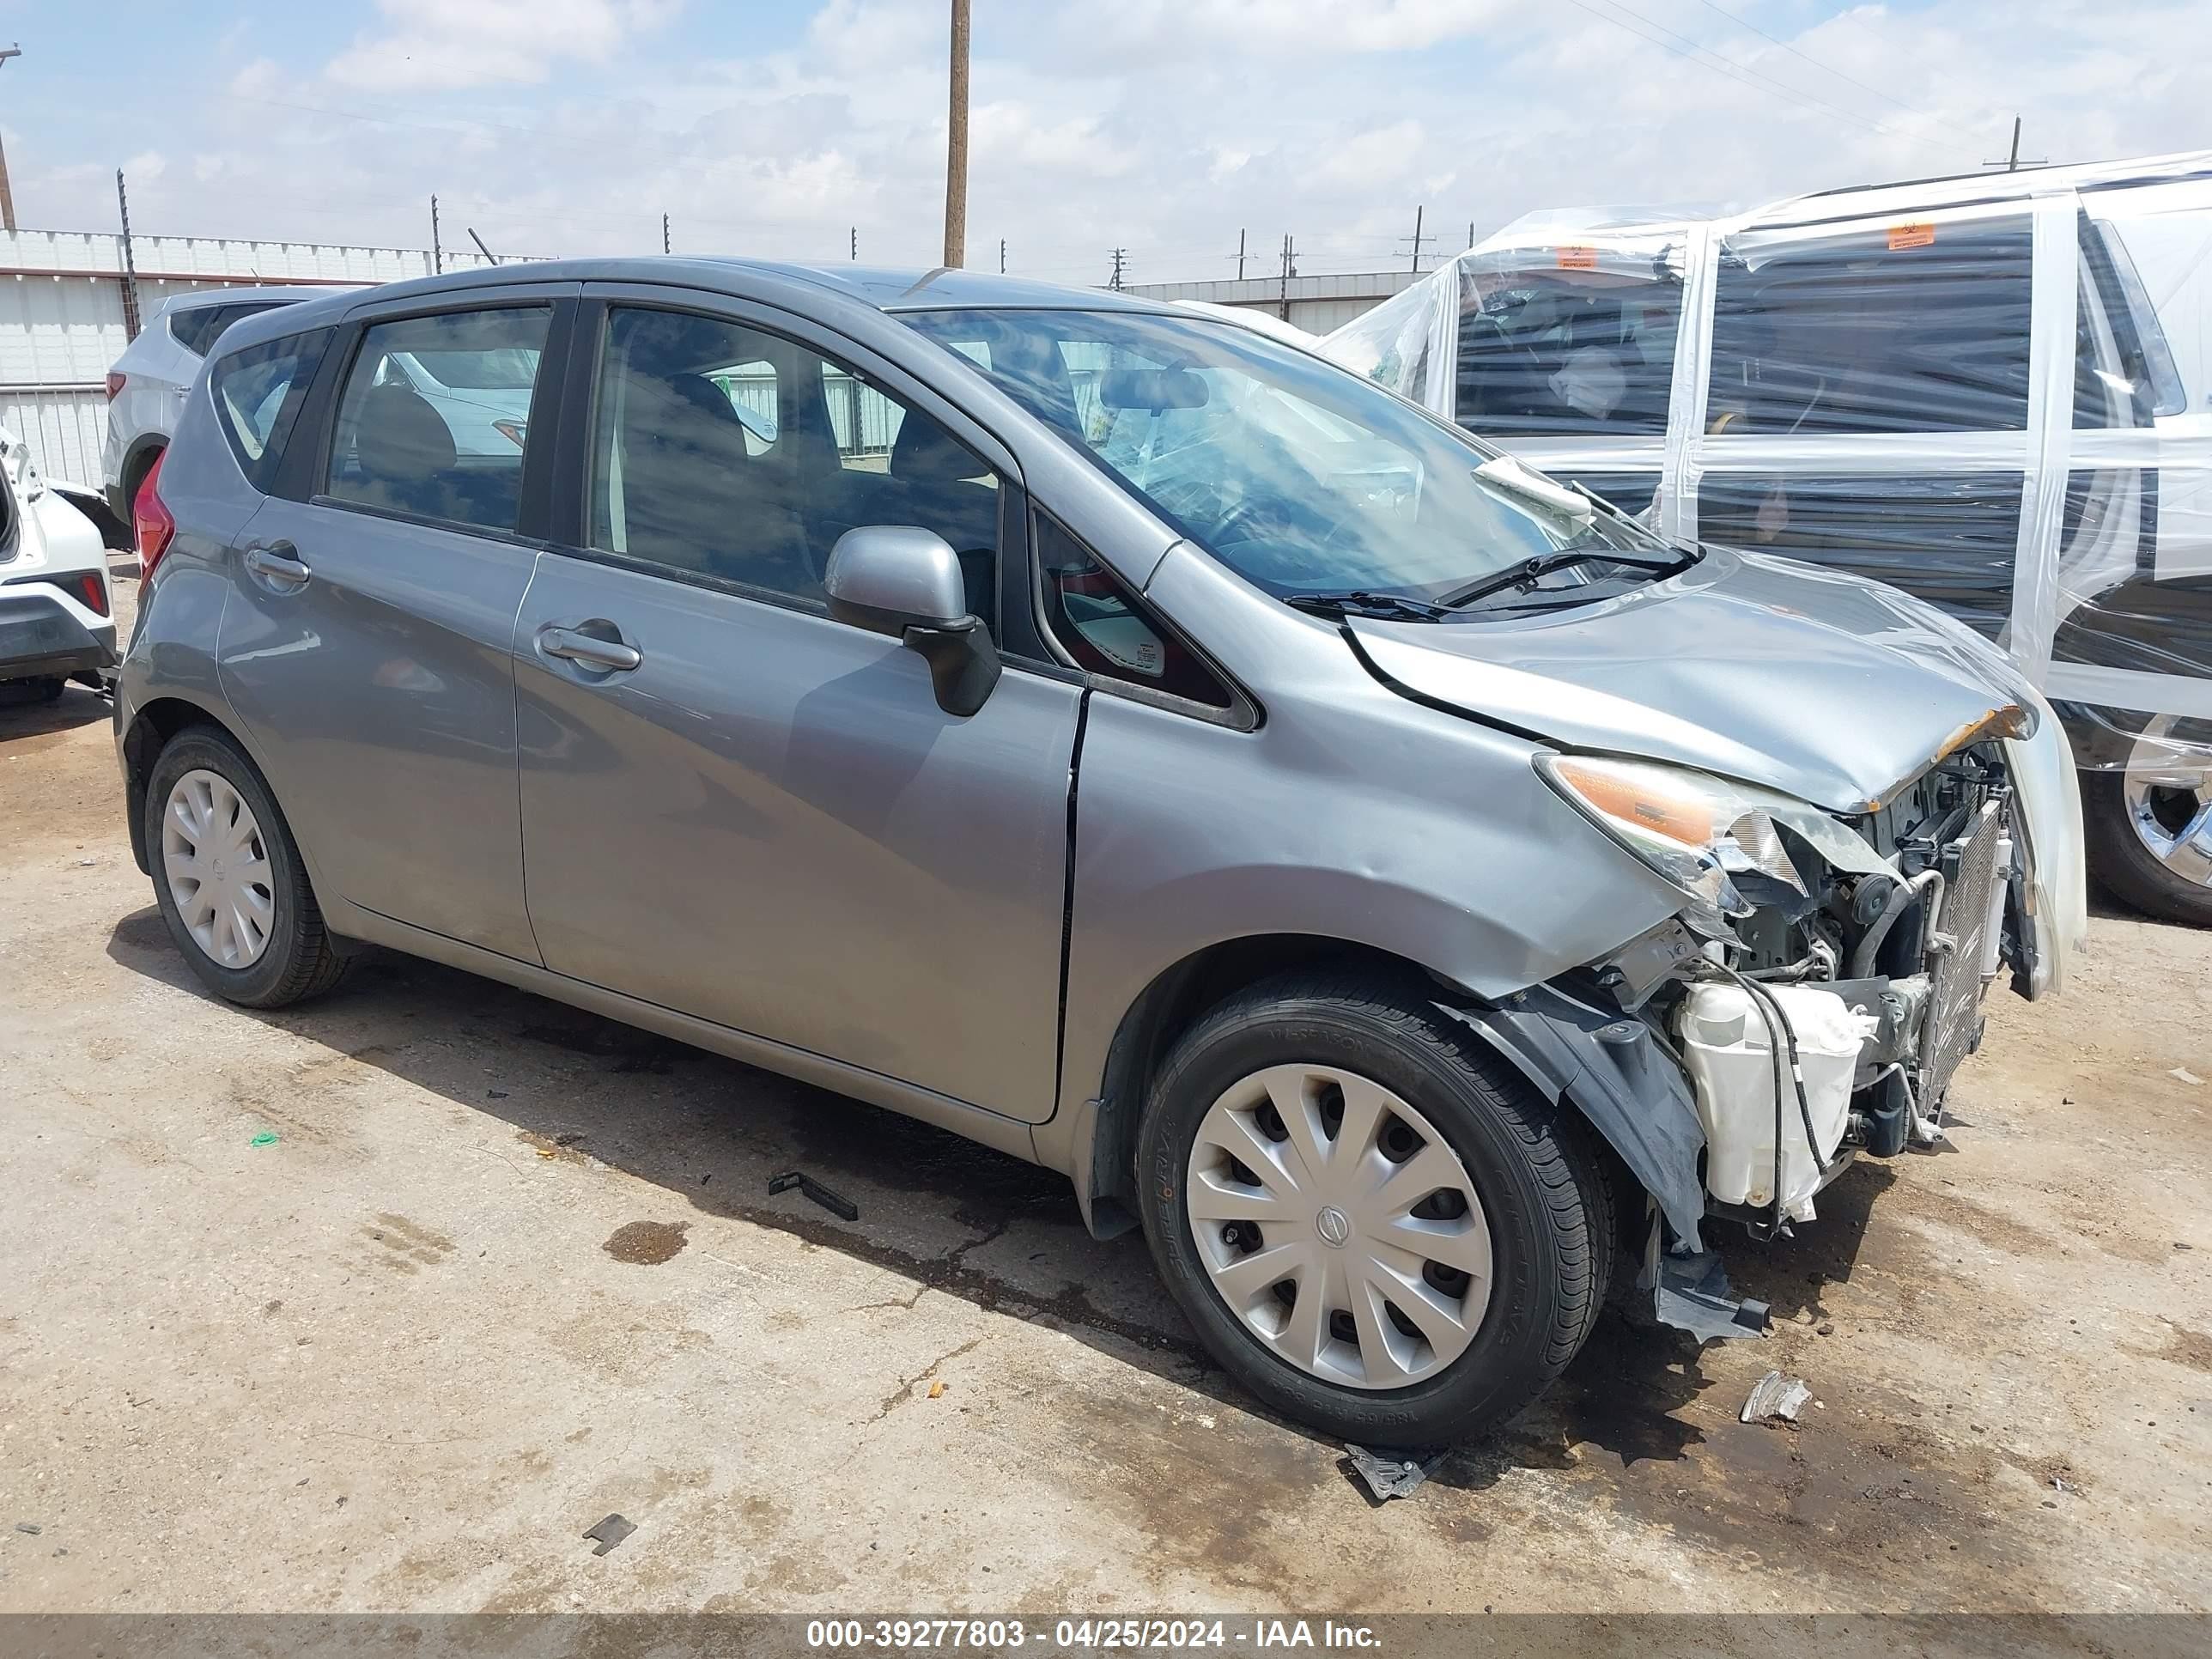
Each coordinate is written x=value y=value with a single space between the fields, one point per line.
x=1300 y=477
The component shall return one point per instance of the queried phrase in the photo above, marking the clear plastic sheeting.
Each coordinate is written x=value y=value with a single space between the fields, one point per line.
x=1992 y=392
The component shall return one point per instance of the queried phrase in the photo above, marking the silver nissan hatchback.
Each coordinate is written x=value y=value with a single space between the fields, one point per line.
x=1394 y=880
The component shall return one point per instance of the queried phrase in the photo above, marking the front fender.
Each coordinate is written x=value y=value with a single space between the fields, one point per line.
x=1609 y=1069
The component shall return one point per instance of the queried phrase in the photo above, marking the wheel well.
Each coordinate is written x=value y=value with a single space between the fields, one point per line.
x=151 y=728
x=137 y=464
x=1175 y=1001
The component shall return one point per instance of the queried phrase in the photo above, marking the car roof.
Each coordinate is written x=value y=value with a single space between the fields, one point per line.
x=270 y=294
x=888 y=289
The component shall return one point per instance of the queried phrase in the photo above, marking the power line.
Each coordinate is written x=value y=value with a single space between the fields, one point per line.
x=1721 y=64
x=1829 y=69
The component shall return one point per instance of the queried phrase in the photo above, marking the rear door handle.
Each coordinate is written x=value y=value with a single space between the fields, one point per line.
x=274 y=560
x=575 y=645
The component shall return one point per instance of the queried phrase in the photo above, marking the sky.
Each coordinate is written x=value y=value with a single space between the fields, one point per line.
x=1166 y=128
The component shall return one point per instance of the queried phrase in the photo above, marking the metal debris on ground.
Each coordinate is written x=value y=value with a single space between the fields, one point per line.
x=610 y=1533
x=836 y=1204
x=31 y=1527
x=1389 y=1474
x=1775 y=1395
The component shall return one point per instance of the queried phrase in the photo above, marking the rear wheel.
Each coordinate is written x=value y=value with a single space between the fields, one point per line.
x=1373 y=1223
x=2150 y=829
x=229 y=878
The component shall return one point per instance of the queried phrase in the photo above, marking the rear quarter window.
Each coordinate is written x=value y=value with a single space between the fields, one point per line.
x=198 y=329
x=258 y=393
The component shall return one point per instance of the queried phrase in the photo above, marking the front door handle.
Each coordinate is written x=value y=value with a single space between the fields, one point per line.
x=274 y=560
x=573 y=645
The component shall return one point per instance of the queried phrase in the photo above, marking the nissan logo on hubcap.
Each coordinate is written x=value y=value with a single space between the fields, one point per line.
x=1333 y=1226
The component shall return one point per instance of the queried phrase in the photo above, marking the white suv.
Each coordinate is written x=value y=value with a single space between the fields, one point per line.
x=57 y=617
x=147 y=384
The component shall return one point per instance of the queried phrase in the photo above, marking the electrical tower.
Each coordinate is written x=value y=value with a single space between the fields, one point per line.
x=1120 y=263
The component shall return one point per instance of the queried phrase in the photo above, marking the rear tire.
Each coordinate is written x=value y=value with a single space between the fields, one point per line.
x=292 y=959
x=1532 y=1169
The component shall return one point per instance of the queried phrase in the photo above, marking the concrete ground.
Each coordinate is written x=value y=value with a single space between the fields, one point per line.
x=380 y=1303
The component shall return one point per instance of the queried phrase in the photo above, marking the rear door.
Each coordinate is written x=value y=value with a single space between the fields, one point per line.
x=1875 y=401
x=733 y=805
x=368 y=642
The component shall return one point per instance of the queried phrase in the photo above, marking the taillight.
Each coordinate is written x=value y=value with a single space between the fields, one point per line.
x=93 y=591
x=115 y=383
x=151 y=518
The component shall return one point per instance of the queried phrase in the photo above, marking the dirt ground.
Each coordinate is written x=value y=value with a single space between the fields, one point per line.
x=380 y=1303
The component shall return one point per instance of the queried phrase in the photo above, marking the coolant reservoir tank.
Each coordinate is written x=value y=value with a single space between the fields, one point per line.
x=1725 y=1044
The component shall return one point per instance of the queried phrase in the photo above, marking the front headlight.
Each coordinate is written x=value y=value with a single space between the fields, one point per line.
x=1699 y=831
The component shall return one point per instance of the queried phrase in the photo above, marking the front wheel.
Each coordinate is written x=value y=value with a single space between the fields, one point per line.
x=1373 y=1222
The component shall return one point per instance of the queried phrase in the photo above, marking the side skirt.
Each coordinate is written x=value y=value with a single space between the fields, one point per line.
x=1004 y=1134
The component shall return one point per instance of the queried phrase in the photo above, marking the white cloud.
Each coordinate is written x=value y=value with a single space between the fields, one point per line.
x=445 y=45
x=1163 y=126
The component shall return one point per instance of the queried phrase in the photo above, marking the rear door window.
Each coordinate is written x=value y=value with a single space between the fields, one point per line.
x=258 y=393
x=1906 y=327
x=435 y=414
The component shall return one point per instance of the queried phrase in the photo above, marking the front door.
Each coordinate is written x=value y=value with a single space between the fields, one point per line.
x=367 y=639
x=737 y=808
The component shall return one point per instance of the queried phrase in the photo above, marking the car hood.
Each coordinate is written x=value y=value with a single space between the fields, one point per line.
x=1829 y=687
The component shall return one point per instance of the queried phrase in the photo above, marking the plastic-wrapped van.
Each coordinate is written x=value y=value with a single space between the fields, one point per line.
x=1994 y=391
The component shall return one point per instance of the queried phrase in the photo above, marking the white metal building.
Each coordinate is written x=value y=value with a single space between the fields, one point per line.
x=1315 y=304
x=63 y=317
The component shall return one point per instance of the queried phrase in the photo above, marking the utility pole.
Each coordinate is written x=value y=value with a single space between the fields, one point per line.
x=1240 y=256
x=1418 y=239
x=1290 y=270
x=2011 y=163
x=129 y=265
x=852 y=245
x=1121 y=256
x=437 y=252
x=481 y=248
x=7 y=194
x=1002 y=256
x=956 y=145
x=1470 y=232
x=663 y=233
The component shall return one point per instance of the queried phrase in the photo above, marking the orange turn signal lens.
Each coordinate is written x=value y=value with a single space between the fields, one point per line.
x=1638 y=796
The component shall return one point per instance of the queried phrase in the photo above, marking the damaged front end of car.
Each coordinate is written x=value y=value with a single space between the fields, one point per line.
x=1812 y=1000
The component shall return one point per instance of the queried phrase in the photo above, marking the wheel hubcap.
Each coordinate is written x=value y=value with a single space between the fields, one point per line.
x=1338 y=1227
x=217 y=869
x=2169 y=797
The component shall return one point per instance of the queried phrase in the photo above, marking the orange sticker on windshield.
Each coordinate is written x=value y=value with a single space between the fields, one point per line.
x=1920 y=235
x=1577 y=258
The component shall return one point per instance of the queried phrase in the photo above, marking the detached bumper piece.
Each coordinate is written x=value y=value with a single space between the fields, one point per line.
x=1693 y=1293
x=39 y=638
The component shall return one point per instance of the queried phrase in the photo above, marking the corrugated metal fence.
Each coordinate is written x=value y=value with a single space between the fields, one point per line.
x=63 y=317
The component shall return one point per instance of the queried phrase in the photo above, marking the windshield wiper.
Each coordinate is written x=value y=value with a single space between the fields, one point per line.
x=1395 y=607
x=1526 y=574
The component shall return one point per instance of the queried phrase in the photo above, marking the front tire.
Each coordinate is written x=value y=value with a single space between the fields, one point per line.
x=228 y=877
x=1373 y=1221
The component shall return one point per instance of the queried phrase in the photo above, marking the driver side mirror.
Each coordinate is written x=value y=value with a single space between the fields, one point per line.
x=905 y=581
